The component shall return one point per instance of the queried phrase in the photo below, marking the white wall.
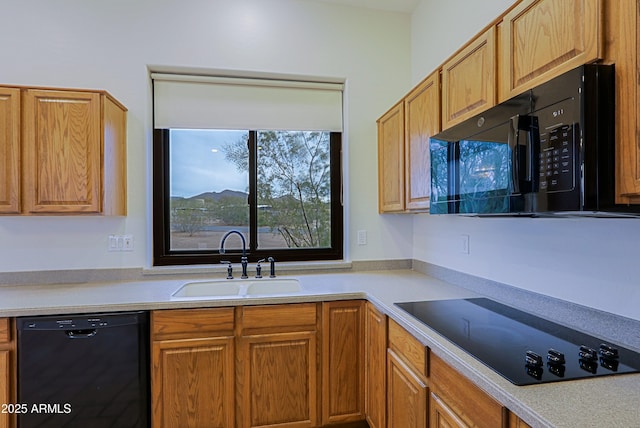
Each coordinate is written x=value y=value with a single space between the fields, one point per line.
x=586 y=261
x=110 y=44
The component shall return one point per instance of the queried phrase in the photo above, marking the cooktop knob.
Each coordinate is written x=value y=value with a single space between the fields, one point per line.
x=608 y=352
x=588 y=354
x=533 y=359
x=555 y=357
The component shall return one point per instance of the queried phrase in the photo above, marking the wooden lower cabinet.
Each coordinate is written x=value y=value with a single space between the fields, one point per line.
x=406 y=395
x=407 y=362
x=192 y=368
x=516 y=422
x=375 y=390
x=343 y=362
x=197 y=383
x=278 y=384
x=277 y=368
x=441 y=416
x=7 y=370
x=295 y=365
x=456 y=402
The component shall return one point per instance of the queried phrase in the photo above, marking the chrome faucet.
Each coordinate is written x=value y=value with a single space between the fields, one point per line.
x=243 y=259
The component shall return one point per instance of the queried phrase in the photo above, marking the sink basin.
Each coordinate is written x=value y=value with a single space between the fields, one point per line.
x=208 y=288
x=237 y=288
x=273 y=286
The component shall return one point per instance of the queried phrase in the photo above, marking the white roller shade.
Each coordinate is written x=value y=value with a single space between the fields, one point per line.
x=203 y=102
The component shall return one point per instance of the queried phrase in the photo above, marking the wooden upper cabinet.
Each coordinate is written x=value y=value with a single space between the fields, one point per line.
x=73 y=141
x=422 y=120
x=9 y=150
x=469 y=80
x=622 y=48
x=391 y=160
x=541 y=39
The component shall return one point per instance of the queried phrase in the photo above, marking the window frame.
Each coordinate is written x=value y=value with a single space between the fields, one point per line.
x=164 y=256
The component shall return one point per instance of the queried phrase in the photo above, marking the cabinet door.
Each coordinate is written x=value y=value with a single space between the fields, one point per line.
x=406 y=395
x=9 y=150
x=516 y=422
x=441 y=416
x=62 y=151
x=623 y=33
x=544 y=38
x=469 y=80
x=422 y=120
x=391 y=160
x=5 y=386
x=342 y=362
x=193 y=383
x=7 y=371
x=375 y=367
x=277 y=380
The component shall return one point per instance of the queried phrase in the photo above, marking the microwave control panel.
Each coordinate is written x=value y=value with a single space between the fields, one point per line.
x=557 y=159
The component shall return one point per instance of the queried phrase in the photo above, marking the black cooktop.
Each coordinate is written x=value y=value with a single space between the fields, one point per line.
x=523 y=348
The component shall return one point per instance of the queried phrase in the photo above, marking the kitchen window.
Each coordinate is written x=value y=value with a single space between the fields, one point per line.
x=279 y=185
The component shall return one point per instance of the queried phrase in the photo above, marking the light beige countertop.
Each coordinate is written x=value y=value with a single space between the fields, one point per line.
x=605 y=401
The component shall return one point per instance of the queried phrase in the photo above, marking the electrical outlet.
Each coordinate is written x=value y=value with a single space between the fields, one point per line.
x=362 y=237
x=464 y=244
x=127 y=243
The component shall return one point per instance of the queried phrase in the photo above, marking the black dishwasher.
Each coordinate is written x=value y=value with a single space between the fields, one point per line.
x=85 y=370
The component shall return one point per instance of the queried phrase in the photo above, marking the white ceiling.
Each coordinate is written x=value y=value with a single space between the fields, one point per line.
x=392 y=5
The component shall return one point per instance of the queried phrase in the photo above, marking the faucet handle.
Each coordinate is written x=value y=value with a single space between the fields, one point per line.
x=272 y=262
x=229 y=269
x=259 y=268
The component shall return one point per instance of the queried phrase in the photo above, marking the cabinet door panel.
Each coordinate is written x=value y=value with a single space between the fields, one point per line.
x=62 y=152
x=5 y=386
x=277 y=380
x=441 y=416
x=623 y=49
x=406 y=395
x=375 y=367
x=422 y=120
x=342 y=362
x=543 y=38
x=469 y=80
x=9 y=150
x=193 y=383
x=391 y=160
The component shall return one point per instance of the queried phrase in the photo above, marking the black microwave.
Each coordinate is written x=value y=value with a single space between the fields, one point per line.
x=548 y=151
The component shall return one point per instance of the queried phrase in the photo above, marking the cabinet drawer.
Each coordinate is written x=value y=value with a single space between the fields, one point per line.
x=408 y=347
x=464 y=399
x=273 y=317
x=184 y=323
x=5 y=330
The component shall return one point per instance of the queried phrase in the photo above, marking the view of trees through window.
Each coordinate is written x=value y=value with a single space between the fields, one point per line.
x=210 y=187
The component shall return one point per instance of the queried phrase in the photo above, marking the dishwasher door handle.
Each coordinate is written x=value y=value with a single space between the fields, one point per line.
x=81 y=334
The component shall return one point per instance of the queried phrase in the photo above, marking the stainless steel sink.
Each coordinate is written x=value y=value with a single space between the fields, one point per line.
x=237 y=288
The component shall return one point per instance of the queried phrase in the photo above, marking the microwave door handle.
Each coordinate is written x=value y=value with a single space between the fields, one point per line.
x=534 y=153
x=512 y=140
